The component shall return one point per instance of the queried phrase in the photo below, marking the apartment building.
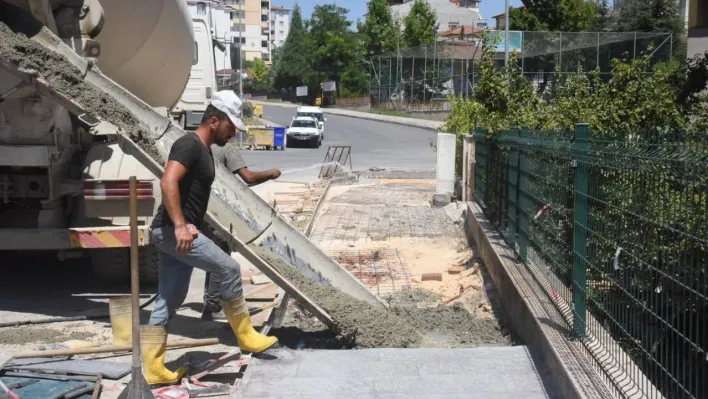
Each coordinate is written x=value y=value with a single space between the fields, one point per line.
x=451 y=13
x=237 y=21
x=279 y=24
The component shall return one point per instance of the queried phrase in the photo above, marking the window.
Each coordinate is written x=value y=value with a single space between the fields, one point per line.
x=201 y=8
x=280 y=23
x=195 y=57
x=264 y=43
x=281 y=42
x=303 y=123
x=281 y=32
x=453 y=25
x=264 y=18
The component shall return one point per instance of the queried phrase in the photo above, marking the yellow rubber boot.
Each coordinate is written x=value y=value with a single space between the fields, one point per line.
x=249 y=340
x=121 y=320
x=153 y=345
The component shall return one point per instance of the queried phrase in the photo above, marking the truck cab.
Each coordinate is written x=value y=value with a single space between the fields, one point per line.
x=190 y=108
x=313 y=112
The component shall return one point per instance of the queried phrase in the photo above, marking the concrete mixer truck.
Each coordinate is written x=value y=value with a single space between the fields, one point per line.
x=85 y=92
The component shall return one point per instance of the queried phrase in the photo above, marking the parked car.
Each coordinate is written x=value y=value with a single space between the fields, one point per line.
x=304 y=129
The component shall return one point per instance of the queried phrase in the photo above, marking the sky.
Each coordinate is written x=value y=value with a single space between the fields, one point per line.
x=357 y=8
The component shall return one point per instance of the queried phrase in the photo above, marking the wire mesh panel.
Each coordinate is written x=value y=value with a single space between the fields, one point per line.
x=420 y=78
x=616 y=230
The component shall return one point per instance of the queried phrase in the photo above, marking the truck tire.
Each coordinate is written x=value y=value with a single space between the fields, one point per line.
x=112 y=265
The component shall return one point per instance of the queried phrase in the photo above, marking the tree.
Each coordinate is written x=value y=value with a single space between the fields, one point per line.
x=380 y=32
x=294 y=63
x=558 y=15
x=335 y=48
x=259 y=70
x=652 y=16
x=420 y=25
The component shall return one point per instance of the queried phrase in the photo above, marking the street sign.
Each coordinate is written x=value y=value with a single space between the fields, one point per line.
x=329 y=86
x=301 y=91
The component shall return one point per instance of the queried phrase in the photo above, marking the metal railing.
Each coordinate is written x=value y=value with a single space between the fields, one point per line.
x=615 y=228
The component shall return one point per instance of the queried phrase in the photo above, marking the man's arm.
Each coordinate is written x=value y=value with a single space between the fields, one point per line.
x=256 y=178
x=235 y=163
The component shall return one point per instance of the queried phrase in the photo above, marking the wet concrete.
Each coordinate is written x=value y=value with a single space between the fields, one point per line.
x=16 y=46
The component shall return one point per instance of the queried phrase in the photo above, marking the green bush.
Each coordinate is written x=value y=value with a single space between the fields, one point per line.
x=247 y=109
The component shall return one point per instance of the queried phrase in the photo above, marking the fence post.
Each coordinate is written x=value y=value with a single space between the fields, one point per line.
x=522 y=187
x=580 y=225
x=512 y=187
x=481 y=135
x=468 y=166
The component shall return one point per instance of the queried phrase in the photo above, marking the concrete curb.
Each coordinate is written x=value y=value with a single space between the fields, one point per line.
x=398 y=120
x=532 y=316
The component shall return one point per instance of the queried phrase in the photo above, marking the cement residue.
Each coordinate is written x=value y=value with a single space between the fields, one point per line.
x=60 y=74
x=358 y=323
x=24 y=335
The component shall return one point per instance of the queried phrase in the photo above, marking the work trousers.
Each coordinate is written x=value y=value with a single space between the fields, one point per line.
x=176 y=271
x=212 y=283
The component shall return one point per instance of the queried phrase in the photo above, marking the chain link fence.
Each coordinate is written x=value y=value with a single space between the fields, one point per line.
x=421 y=78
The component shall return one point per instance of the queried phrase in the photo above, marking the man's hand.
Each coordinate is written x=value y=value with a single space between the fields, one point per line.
x=185 y=239
x=274 y=173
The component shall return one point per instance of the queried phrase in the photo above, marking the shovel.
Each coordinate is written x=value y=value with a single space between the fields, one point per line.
x=137 y=388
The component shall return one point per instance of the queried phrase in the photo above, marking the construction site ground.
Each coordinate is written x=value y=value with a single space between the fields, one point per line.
x=385 y=232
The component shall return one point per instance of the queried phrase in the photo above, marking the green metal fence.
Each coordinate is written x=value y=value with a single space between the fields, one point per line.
x=615 y=228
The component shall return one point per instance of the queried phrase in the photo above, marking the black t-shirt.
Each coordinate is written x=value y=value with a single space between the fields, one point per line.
x=195 y=186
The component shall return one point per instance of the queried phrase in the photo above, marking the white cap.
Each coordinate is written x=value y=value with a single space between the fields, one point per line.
x=228 y=102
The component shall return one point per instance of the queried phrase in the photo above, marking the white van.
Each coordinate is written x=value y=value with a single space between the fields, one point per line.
x=190 y=108
x=314 y=112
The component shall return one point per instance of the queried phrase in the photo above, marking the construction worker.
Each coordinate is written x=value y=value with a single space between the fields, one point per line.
x=230 y=157
x=176 y=232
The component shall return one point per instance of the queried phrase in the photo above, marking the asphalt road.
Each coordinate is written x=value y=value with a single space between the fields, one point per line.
x=374 y=144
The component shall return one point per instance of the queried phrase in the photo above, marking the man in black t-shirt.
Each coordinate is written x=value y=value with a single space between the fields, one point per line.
x=230 y=157
x=186 y=185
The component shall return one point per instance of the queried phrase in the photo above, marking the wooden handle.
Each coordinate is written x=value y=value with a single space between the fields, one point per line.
x=187 y=343
x=134 y=276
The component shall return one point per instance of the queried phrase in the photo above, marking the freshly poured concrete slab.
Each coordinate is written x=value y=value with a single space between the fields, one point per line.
x=492 y=372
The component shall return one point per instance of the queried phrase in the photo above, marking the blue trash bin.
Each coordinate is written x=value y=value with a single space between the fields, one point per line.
x=279 y=138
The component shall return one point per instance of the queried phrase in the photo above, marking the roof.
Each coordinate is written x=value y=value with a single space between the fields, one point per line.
x=469 y=30
x=273 y=7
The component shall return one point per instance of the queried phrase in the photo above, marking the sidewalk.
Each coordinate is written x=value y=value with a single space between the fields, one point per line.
x=399 y=120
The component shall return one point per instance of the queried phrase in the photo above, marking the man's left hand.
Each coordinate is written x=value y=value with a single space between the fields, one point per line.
x=274 y=174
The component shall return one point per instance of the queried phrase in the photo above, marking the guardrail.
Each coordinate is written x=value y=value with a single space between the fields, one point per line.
x=615 y=228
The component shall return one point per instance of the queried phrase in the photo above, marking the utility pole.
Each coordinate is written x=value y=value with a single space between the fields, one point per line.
x=506 y=33
x=240 y=47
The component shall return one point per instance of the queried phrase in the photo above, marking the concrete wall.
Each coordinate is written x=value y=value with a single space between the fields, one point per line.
x=697 y=27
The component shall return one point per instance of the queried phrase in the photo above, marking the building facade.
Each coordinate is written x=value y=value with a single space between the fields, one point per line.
x=451 y=14
x=244 y=22
x=279 y=24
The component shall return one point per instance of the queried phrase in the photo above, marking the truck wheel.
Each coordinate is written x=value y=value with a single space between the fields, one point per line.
x=112 y=265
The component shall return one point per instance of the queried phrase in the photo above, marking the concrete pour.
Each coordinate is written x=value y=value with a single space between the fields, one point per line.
x=397 y=373
x=19 y=49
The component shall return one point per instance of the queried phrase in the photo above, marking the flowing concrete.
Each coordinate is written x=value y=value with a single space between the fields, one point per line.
x=499 y=372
